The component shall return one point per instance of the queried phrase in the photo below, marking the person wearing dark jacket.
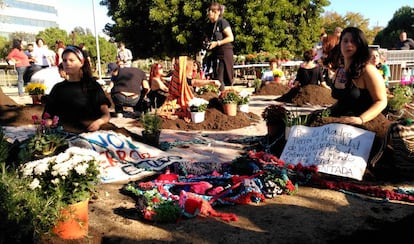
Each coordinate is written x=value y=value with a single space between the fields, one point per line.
x=128 y=88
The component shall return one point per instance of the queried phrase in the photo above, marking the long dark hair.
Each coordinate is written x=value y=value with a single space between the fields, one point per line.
x=87 y=76
x=86 y=68
x=361 y=56
x=17 y=44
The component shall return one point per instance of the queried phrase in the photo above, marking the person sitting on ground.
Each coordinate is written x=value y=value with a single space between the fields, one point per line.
x=270 y=75
x=309 y=73
x=128 y=88
x=158 y=89
x=79 y=100
x=358 y=86
x=195 y=76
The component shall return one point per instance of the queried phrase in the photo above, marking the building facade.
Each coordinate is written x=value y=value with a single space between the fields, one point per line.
x=27 y=16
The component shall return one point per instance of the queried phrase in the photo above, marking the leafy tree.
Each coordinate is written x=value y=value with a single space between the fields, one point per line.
x=331 y=20
x=403 y=20
x=161 y=28
x=5 y=47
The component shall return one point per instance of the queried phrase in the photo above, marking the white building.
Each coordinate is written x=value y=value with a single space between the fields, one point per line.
x=27 y=16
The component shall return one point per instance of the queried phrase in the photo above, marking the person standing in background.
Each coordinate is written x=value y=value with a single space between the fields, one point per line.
x=85 y=51
x=60 y=46
x=338 y=31
x=29 y=52
x=42 y=55
x=404 y=43
x=124 y=56
x=318 y=47
x=221 y=45
x=18 y=57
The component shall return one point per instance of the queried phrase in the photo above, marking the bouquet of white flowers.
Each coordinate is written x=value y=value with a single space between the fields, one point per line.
x=244 y=97
x=198 y=104
x=69 y=177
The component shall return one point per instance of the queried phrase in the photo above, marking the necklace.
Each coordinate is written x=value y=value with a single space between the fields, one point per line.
x=268 y=146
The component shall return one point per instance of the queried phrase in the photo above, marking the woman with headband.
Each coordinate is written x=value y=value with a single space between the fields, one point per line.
x=79 y=100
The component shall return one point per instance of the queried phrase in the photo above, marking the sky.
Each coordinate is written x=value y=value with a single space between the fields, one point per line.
x=73 y=13
x=379 y=12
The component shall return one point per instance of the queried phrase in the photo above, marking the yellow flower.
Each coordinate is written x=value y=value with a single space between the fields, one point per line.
x=35 y=88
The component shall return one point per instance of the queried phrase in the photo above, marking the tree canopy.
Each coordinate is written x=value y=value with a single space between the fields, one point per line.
x=403 y=20
x=162 y=28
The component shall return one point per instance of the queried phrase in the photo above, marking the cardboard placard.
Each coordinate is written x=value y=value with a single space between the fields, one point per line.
x=336 y=149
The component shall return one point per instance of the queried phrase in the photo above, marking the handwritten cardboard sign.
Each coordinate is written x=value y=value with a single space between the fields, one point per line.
x=336 y=149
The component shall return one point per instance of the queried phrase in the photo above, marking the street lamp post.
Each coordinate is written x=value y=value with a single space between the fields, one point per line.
x=97 y=44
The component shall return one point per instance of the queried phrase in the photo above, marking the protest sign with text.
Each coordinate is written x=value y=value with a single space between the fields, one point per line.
x=336 y=149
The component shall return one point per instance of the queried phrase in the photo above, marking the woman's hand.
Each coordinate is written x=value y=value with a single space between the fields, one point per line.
x=352 y=120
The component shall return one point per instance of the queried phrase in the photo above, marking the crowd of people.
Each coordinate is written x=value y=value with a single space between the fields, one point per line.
x=341 y=62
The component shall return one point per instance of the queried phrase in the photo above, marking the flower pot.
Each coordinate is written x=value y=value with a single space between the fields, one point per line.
x=230 y=109
x=75 y=222
x=244 y=108
x=198 y=117
x=152 y=139
x=37 y=99
x=277 y=79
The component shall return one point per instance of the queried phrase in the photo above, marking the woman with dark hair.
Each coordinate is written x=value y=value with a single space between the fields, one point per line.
x=159 y=90
x=79 y=100
x=220 y=44
x=358 y=86
x=309 y=73
x=18 y=57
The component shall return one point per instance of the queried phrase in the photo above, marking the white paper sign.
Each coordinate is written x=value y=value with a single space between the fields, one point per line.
x=336 y=149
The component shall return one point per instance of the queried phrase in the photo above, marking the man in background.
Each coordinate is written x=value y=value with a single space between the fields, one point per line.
x=128 y=88
x=124 y=56
x=405 y=43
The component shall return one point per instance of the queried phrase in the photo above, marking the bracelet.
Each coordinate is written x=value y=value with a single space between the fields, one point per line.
x=362 y=121
x=218 y=43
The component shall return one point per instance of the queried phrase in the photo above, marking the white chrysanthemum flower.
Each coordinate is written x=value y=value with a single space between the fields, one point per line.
x=245 y=93
x=35 y=184
x=81 y=168
x=62 y=157
x=55 y=181
x=197 y=102
x=41 y=167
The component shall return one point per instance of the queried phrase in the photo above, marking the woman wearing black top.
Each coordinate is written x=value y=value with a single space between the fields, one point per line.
x=79 y=100
x=220 y=44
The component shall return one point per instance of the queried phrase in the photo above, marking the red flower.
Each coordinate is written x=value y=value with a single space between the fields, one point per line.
x=155 y=200
x=290 y=186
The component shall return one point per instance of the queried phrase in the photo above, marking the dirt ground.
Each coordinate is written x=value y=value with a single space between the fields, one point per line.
x=312 y=215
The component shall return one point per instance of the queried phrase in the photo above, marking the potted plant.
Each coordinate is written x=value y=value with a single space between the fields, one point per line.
x=401 y=94
x=244 y=99
x=36 y=90
x=277 y=75
x=68 y=179
x=229 y=98
x=274 y=116
x=198 y=107
x=48 y=140
x=36 y=196
x=294 y=118
x=152 y=128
